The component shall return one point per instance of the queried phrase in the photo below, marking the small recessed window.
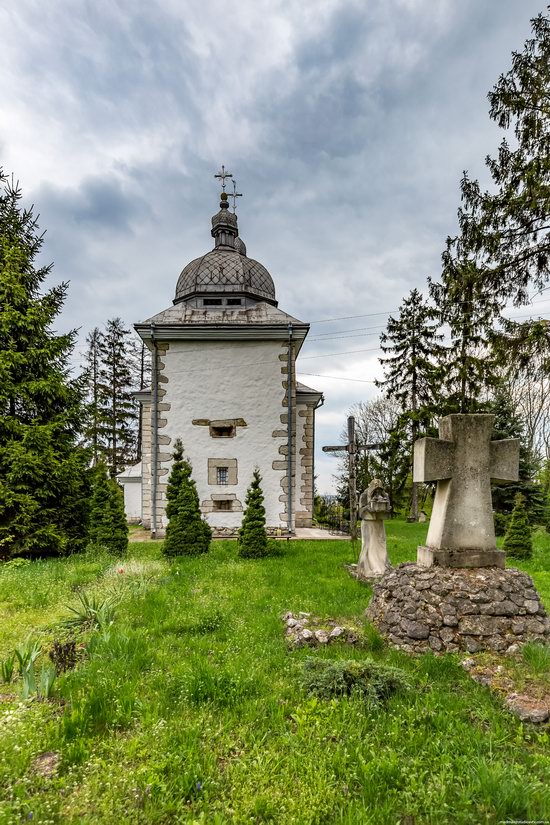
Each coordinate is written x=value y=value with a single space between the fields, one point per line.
x=226 y=431
x=212 y=302
x=224 y=504
x=222 y=475
x=234 y=302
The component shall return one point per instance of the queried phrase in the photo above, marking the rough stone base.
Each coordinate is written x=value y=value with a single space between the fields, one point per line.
x=442 y=609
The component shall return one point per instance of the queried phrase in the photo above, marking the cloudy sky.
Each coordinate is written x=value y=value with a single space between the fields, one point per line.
x=347 y=124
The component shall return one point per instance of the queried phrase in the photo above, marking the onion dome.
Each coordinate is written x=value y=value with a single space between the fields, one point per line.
x=226 y=268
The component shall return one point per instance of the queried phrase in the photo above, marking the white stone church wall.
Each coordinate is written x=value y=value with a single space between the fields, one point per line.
x=215 y=380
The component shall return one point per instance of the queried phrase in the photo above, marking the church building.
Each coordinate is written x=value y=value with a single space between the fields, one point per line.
x=224 y=381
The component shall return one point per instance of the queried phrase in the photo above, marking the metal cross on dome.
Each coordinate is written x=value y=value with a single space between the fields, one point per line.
x=235 y=195
x=222 y=176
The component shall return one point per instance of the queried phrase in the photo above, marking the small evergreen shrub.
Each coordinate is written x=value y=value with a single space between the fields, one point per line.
x=187 y=533
x=108 y=527
x=518 y=542
x=501 y=521
x=327 y=678
x=252 y=541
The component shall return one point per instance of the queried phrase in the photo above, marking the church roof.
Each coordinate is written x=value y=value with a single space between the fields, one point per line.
x=226 y=268
x=261 y=321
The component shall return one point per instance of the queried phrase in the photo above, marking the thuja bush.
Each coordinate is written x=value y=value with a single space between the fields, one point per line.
x=327 y=678
x=518 y=542
x=252 y=540
x=187 y=533
x=108 y=526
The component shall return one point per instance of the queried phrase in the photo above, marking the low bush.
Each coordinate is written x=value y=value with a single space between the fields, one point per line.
x=328 y=678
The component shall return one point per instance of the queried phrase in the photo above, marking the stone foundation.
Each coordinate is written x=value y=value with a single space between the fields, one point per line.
x=233 y=532
x=419 y=609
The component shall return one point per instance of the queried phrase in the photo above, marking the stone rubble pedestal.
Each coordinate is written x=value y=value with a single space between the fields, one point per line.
x=442 y=609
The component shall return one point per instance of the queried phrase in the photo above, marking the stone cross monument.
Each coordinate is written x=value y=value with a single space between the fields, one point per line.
x=374 y=507
x=464 y=461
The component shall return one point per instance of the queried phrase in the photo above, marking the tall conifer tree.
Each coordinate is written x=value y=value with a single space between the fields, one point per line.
x=468 y=305
x=43 y=478
x=412 y=348
x=117 y=408
x=94 y=429
x=508 y=228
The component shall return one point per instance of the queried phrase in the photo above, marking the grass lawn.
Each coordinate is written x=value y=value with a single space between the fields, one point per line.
x=189 y=707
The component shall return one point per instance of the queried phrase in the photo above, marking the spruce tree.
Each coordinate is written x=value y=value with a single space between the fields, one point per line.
x=187 y=533
x=517 y=541
x=94 y=430
x=108 y=525
x=507 y=424
x=43 y=473
x=469 y=307
x=253 y=542
x=509 y=227
x=412 y=349
x=117 y=408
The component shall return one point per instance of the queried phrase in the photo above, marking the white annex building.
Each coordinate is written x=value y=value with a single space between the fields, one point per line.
x=223 y=358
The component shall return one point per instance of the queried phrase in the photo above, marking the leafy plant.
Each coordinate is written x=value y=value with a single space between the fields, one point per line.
x=7 y=666
x=326 y=678
x=91 y=613
x=26 y=656
x=14 y=564
x=48 y=675
x=209 y=622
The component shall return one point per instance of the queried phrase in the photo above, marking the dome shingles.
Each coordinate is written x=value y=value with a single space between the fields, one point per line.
x=222 y=271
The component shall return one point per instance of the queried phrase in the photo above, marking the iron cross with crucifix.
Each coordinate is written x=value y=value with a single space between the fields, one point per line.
x=351 y=448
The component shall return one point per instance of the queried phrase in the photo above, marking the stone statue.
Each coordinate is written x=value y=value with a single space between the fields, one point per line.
x=374 y=507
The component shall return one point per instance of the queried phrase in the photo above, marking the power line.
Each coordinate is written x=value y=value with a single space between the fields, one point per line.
x=335 y=377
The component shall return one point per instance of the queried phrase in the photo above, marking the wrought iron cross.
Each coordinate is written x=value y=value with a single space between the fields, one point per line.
x=235 y=195
x=222 y=176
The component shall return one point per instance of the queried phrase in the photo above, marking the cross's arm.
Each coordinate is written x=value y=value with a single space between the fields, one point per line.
x=433 y=459
x=504 y=460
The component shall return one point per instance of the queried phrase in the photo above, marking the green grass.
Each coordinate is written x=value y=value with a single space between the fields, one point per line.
x=190 y=708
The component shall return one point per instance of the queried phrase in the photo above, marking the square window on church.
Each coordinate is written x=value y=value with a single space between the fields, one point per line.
x=234 y=302
x=222 y=471
x=223 y=504
x=222 y=431
x=212 y=302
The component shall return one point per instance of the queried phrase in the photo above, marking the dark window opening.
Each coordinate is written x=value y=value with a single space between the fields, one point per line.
x=212 y=302
x=222 y=475
x=224 y=504
x=234 y=302
x=222 y=432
